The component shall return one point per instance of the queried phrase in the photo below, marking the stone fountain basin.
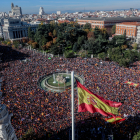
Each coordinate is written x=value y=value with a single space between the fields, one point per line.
x=46 y=82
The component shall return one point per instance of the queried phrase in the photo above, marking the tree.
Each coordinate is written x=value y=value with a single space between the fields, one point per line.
x=136 y=136
x=42 y=22
x=83 y=53
x=30 y=135
x=52 y=23
x=90 y=35
x=96 y=32
x=99 y=45
x=1 y=39
x=124 y=33
x=86 y=30
x=69 y=54
x=90 y=45
x=54 y=49
x=60 y=38
x=40 y=44
x=75 y=47
x=16 y=44
x=102 y=55
x=120 y=40
x=104 y=33
x=30 y=42
x=135 y=45
x=32 y=35
x=35 y=45
x=48 y=45
x=71 y=35
x=81 y=40
x=24 y=40
x=29 y=32
x=54 y=33
x=87 y=26
x=9 y=43
x=123 y=62
x=127 y=54
x=138 y=55
x=124 y=47
x=44 y=40
x=50 y=34
x=43 y=47
x=54 y=40
x=113 y=29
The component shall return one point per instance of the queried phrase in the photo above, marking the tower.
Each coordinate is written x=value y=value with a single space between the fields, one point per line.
x=16 y=10
x=12 y=6
x=41 y=11
x=6 y=130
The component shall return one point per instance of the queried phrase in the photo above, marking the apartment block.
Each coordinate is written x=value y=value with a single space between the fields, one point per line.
x=14 y=29
x=138 y=35
x=130 y=27
x=106 y=22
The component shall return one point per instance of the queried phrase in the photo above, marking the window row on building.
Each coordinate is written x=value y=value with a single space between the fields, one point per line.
x=130 y=27
x=16 y=31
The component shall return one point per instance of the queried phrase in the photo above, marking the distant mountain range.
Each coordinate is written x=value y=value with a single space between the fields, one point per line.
x=73 y=11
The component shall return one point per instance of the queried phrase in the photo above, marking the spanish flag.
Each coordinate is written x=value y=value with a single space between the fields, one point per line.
x=132 y=84
x=116 y=120
x=91 y=102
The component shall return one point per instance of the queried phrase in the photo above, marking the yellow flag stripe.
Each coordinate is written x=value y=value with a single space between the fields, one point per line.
x=96 y=102
x=112 y=119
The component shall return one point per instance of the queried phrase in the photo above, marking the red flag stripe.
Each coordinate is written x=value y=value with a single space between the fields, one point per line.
x=108 y=102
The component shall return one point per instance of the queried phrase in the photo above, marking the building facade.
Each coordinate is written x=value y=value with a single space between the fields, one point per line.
x=1 y=27
x=13 y=29
x=6 y=130
x=16 y=10
x=1 y=31
x=41 y=11
x=58 y=12
x=130 y=27
x=138 y=36
x=106 y=22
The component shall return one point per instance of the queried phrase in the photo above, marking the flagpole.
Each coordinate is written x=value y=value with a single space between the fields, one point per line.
x=72 y=102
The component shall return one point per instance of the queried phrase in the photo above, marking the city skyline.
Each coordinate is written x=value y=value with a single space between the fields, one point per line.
x=32 y=6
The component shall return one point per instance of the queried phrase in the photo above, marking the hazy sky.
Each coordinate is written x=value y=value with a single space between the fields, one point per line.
x=32 y=6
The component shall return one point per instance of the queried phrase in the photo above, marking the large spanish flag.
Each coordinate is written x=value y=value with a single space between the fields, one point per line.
x=116 y=120
x=91 y=102
x=132 y=84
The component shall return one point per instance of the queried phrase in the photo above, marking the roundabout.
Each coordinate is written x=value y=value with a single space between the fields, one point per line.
x=58 y=82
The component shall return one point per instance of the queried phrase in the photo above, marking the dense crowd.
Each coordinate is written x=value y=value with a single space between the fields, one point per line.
x=45 y=110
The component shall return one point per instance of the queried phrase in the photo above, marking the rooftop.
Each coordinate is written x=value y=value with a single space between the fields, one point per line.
x=130 y=23
x=63 y=21
x=113 y=18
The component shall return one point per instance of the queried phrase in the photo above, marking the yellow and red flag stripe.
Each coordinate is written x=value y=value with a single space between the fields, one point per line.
x=91 y=102
x=132 y=84
x=116 y=120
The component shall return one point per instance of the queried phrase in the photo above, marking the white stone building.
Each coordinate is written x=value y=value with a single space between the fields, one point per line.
x=3 y=14
x=6 y=130
x=138 y=36
x=58 y=12
x=41 y=11
x=15 y=11
x=14 y=29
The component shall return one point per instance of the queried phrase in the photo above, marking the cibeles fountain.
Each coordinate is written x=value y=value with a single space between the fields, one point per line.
x=58 y=81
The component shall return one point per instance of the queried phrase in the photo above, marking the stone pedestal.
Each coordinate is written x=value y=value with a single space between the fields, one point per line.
x=6 y=130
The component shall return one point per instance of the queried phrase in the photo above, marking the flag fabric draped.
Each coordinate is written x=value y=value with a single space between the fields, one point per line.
x=88 y=101
x=132 y=84
x=116 y=120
